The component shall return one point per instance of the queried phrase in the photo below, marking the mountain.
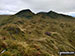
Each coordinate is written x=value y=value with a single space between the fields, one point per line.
x=29 y=14
x=53 y=14
x=41 y=34
x=25 y=13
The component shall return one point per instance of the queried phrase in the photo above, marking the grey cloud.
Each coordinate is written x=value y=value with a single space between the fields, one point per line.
x=38 y=5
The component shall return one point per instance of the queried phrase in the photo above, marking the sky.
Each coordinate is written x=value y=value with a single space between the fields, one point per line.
x=60 y=6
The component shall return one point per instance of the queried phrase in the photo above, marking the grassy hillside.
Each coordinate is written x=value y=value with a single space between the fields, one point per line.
x=42 y=34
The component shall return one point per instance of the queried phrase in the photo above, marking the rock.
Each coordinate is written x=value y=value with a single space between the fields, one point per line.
x=48 y=33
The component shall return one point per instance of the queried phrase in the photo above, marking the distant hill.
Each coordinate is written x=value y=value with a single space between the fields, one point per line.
x=41 y=34
x=29 y=14
x=25 y=13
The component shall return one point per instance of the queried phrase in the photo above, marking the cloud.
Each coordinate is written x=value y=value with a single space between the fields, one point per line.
x=5 y=12
x=72 y=14
x=14 y=6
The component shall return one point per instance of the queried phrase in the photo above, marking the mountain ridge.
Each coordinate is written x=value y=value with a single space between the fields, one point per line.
x=50 y=13
x=43 y=34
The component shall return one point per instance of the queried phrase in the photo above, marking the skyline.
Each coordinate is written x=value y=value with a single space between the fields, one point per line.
x=59 y=6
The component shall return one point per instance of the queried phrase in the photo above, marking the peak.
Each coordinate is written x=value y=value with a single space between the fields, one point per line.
x=25 y=13
x=52 y=12
x=26 y=10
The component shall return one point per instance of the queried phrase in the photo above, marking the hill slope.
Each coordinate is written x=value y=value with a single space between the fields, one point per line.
x=42 y=34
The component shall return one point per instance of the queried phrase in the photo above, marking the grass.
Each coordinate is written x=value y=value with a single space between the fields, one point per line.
x=20 y=36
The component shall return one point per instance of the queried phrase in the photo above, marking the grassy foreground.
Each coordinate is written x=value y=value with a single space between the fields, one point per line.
x=38 y=35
